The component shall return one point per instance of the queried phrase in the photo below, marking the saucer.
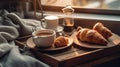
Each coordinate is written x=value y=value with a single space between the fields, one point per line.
x=32 y=45
x=59 y=29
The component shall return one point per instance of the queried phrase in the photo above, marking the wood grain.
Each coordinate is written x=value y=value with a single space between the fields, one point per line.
x=75 y=55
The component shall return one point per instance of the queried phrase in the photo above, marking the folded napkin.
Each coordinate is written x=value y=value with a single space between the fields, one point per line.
x=11 y=27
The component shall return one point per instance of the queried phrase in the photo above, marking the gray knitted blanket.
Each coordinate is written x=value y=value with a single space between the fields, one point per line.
x=11 y=27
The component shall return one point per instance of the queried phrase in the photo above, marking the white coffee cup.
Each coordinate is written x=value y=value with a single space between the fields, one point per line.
x=44 y=38
x=51 y=22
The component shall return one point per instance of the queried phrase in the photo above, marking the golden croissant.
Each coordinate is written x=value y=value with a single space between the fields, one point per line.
x=60 y=41
x=104 y=31
x=91 y=36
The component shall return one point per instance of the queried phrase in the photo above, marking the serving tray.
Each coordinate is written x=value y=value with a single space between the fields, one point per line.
x=74 y=55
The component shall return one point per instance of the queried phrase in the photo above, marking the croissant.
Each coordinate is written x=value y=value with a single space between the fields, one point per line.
x=91 y=36
x=79 y=28
x=104 y=31
x=60 y=41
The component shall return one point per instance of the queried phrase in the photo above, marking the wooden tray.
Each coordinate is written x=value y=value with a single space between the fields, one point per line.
x=72 y=56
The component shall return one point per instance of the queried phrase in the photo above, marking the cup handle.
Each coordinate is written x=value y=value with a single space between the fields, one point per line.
x=43 y=23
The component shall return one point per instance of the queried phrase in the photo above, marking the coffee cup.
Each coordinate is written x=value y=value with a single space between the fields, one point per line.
x=50 y=22
x=44 y=38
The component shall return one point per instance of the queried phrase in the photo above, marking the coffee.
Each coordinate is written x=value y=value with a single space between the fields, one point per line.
x=68 y=28
x=42 y=34
x=43 y=38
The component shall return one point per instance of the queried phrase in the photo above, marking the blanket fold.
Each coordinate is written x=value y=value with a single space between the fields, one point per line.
x=11 y=27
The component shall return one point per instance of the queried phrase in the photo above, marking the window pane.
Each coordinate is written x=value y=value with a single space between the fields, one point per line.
x=97 y=4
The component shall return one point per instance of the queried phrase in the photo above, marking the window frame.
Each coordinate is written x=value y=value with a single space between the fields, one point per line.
x=83 y=10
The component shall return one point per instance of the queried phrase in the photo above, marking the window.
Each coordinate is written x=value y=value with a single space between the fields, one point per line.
x=89 y=6
x=84 y=14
